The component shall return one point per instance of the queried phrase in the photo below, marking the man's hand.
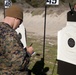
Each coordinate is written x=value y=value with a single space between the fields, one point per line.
x=30 y=50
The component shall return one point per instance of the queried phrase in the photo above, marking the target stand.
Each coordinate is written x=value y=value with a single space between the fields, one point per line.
x=66 y=53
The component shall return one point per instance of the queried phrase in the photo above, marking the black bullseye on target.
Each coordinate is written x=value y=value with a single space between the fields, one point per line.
x=71 y=42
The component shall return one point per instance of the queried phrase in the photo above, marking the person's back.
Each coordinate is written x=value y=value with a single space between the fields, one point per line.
x=8 y=62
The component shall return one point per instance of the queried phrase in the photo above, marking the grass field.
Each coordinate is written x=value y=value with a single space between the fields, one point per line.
x=37 y=65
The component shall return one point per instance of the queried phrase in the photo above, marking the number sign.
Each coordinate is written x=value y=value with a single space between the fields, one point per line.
x=7 y=3
x=52 y=2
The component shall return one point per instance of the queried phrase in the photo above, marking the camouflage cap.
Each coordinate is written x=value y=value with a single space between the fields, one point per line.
x=14 y=11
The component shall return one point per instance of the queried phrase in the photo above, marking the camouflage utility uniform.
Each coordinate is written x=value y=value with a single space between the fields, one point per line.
x=12 y=55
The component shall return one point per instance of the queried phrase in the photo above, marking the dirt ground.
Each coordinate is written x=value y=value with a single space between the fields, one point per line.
x=35 y=24
x=54 y=23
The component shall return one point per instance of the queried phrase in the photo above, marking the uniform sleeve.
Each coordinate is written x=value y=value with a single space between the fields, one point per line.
x=14 y=52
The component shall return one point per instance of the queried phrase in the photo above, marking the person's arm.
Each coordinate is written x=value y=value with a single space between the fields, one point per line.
x=15 y=52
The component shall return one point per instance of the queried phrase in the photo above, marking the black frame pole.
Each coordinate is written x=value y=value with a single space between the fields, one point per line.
x=4 y=7
x=44 y=32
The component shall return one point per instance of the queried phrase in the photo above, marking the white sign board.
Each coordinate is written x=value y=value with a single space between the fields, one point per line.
x=21 y=30
x=52 y=2
x=7 y=3
x=67 y=43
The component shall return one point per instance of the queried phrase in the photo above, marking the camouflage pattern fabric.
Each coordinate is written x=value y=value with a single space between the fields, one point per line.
x=12 y=54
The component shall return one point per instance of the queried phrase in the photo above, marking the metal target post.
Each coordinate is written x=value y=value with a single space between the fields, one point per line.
x=44 y=32
x=4 y=7
x=48 y=2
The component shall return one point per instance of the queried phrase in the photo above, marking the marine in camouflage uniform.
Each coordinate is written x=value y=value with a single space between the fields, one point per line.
x=12 y=55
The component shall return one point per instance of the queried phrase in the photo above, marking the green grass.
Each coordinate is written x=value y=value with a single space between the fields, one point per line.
x=36 y=64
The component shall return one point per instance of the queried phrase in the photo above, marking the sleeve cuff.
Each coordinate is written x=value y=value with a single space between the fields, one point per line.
x=27 y=53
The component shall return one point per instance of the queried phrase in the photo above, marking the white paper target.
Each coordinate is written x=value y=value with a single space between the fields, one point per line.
x=67 y=43
x=21 y=30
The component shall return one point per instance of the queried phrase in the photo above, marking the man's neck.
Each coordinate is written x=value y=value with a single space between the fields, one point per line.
x=9 y=21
